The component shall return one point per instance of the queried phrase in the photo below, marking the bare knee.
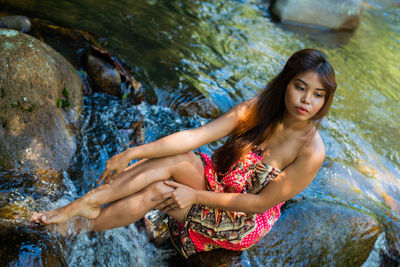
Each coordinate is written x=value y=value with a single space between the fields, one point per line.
x=160 y=188
x=157 y=189
x=180 y=158
x=188 y=169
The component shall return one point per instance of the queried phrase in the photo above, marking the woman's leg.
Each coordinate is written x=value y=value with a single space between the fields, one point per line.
x=186 y=169
x=132 y=208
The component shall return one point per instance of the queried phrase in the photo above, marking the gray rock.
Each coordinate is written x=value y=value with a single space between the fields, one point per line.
x=318 y=233
x=105 y=77
x=40 y=103
x=308 y=233
x=330 y=14
x=19 y=23
x=29 y=247
x=202 y=107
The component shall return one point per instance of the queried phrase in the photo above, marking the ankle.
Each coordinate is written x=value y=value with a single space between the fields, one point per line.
x=91 y=199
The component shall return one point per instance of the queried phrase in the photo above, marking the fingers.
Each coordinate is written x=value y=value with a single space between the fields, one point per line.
x=164 y=204
x=108 y=175
x=162 y=196
x=103 y=176
x=171 y=183
x=167 y=206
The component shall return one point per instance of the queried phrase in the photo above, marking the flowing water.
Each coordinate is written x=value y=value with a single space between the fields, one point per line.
x=227 y=51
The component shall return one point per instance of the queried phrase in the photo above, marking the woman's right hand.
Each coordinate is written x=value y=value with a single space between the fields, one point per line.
x=115 y=165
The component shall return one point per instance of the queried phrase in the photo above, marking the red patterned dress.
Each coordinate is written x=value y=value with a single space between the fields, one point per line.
x=208 y=228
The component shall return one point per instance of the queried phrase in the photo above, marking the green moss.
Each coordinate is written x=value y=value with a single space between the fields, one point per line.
x=65 y=92
x=31 y=108
x=74 y=70
x=65 y=103
x=4 y=124
x=124 y=97
x=14 y=104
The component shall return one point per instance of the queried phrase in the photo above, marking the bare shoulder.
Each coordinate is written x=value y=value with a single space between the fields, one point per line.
x=244 y=107
x=314 y=149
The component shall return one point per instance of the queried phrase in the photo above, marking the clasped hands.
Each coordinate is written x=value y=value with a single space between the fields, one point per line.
x=182 y=197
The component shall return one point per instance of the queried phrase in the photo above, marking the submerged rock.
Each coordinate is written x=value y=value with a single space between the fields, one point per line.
x=330 y=14
x=105 y=77
x=19 y=23
x=202 y=107
x=29 y=247
x=40 y=103
x=156 y=224
x=318 y=234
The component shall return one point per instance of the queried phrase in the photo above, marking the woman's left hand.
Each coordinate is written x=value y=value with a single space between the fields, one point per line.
x=182 y=197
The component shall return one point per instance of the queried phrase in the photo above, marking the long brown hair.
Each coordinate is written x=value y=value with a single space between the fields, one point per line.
x=266 y=111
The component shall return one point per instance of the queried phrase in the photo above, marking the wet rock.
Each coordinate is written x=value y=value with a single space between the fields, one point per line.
x=104 y=76
x=28 y=247
x=320 y=35
x=156 y=224
x=40 y=103
x=23 y=243
x=216 y=258
x=19 y=191
x=202 y=107
x=318 y=234
x=330 y=14
x=19 y=23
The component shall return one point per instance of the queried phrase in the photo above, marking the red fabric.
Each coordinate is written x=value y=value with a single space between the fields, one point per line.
x=234 y=181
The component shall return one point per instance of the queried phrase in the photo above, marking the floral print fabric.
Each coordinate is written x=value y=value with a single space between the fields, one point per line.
x=208 y=228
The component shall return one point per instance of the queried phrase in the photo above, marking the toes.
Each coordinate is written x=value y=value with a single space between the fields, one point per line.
x=40 y=218
x=36 y=216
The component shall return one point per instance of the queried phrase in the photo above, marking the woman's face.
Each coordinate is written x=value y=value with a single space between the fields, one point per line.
x=305 y=95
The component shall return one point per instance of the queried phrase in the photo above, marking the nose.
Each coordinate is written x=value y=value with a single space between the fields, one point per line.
x=306 y=98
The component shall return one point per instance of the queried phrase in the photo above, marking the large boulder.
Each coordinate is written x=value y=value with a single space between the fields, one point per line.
x=20 y=23
x=309 y=233
x=40 y=103
x=29 y=246
x=331 y=14
x=318 y=233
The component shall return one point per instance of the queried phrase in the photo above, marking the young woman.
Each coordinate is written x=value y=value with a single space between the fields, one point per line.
x=272 y=153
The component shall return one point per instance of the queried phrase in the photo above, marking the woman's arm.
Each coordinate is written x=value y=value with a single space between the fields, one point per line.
x=178 y=143
x=294 y=179
x=187 y=140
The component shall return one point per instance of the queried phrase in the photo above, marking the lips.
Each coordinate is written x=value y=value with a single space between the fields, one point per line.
x=302 y=110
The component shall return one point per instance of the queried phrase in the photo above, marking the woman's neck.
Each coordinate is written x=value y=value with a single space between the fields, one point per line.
x=291 y=123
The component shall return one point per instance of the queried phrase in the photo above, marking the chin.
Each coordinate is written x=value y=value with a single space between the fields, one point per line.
x=301 y=117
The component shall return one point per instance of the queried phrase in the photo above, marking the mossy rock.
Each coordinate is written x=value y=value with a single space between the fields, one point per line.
x=318 y=233
x=40 y=104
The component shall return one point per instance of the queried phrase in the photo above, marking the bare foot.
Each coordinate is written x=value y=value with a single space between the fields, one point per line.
x=78 y=207
x=72 y=227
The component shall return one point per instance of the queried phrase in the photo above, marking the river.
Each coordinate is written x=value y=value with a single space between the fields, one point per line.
x=227 y=51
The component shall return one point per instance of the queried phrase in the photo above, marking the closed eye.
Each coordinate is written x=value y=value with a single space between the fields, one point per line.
x=299 y=87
